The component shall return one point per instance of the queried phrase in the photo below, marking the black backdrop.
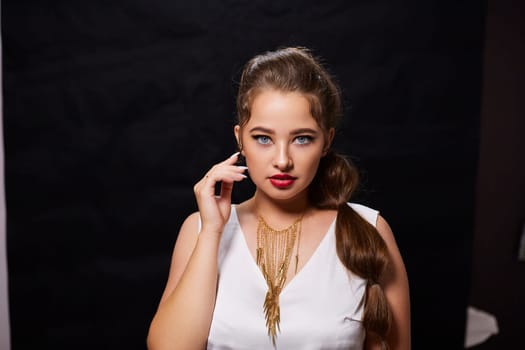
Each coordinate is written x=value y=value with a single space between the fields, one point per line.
x=114 y=109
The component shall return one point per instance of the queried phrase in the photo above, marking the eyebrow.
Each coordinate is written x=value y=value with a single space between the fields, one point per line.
x=293 y=132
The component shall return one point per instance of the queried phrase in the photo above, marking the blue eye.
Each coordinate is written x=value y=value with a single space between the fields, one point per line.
x=303 y=140
x=262 y=139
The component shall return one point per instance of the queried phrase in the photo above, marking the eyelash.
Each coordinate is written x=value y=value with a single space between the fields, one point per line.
x=308 y=139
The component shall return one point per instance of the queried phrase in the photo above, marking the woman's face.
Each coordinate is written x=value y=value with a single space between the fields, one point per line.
x=283 y=144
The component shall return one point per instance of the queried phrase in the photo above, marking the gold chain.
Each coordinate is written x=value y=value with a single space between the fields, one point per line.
x=274 y=248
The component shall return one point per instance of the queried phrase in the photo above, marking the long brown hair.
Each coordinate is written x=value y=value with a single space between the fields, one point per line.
x=359 y=245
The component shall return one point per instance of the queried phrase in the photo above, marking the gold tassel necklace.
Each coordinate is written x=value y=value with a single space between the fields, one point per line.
x=274 y=250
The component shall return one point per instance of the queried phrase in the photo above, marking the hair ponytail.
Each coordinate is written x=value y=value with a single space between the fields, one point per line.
x=359 y=246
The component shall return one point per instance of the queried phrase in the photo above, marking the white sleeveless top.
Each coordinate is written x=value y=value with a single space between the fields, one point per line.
x=321 y=307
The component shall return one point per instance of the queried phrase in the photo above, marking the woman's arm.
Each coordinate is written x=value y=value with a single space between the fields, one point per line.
x=184 y=315
x=395 y=286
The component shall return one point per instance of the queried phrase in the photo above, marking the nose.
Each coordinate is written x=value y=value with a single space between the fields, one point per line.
x=282 y=159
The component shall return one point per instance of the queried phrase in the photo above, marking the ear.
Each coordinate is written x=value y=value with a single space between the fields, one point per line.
x=329 y=138
x=237 y=132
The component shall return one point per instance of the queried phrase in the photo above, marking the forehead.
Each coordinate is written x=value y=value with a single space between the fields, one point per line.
x=277 y=109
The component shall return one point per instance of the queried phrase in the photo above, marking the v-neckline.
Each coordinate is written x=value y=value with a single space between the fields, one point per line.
x=254 y=265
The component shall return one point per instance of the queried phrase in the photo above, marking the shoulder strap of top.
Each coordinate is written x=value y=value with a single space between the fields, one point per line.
x=366 y=213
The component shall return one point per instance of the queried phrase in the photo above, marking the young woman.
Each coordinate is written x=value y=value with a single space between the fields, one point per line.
x=295 y=266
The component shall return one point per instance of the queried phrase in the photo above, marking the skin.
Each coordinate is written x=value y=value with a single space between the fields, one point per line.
x=281 y=137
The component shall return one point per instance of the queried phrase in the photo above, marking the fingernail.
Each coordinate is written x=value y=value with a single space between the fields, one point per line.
x=235 y=154
x=242 y=167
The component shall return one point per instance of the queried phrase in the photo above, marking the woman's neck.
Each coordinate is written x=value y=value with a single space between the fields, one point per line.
x=278 y=213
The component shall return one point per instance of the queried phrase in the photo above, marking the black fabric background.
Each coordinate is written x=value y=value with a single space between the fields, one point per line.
x=113 y=110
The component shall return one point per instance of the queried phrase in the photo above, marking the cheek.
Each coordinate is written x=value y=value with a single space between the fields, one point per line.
x=309 y=163
x=252 y=158
x=313 y=167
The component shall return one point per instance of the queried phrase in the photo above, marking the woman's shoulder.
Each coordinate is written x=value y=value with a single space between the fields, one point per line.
x=190 y=226
x=192 y=220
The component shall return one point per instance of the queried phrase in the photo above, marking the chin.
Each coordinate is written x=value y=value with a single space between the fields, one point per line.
x=286 y=194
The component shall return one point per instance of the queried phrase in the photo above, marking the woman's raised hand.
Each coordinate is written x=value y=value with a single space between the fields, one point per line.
x=215 y=210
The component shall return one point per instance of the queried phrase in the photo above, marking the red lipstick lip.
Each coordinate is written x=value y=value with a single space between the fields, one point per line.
x=282 y=177
x=282 y=180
